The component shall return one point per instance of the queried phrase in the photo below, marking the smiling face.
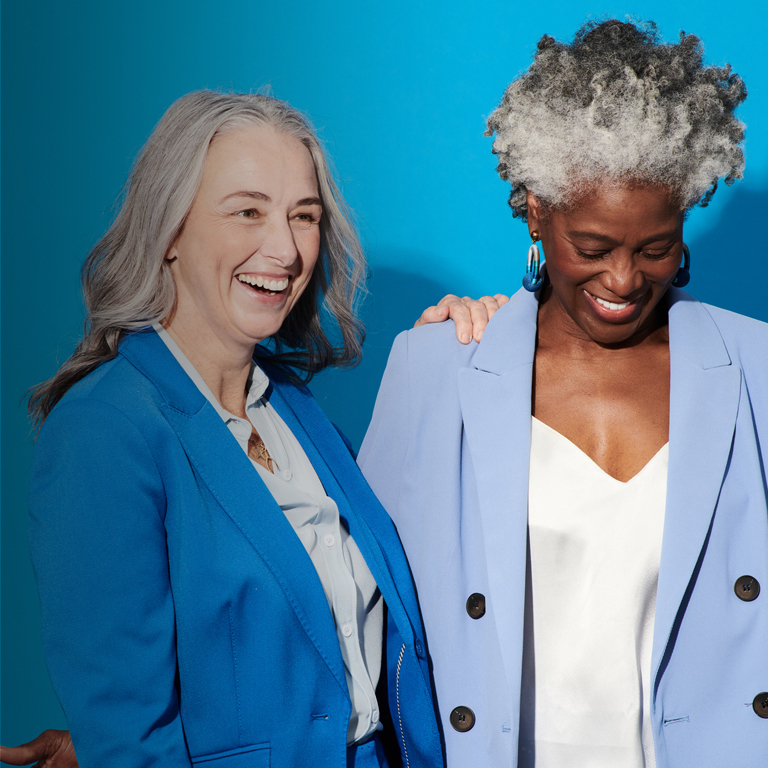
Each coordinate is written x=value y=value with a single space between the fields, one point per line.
x=610 y=259
x=249 y=243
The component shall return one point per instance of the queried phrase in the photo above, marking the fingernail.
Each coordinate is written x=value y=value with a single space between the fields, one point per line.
x=465 y=338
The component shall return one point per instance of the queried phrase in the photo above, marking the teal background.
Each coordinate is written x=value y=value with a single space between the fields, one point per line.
x=399 y=93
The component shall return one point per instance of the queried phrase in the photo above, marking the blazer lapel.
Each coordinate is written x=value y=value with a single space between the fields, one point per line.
x=495 y=398
x=364 y=516
x=704 y=400
x=229 y=476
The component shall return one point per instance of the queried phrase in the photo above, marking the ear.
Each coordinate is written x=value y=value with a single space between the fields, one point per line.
x=172 y=253
x=534 y=212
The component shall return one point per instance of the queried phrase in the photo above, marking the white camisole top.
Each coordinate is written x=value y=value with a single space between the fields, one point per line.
x=594 y=552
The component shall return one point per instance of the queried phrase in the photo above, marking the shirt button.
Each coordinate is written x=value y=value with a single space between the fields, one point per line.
x=462 y=719
x=476 y=605
x=760 y=704
x=287 y=474
x=747 y=588
x=329 y=539
x=375 y=716
x=346 y=630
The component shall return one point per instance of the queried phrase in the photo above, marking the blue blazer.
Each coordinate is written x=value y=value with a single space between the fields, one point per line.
x=183 y=621
x=447 y=453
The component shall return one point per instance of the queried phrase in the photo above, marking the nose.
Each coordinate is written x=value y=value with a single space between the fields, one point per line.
x=279 y=244
x=623 y=275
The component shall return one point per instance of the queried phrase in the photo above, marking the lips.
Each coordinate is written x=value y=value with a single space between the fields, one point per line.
x=612 y=311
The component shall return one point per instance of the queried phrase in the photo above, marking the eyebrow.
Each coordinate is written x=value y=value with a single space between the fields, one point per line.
x=267 y=199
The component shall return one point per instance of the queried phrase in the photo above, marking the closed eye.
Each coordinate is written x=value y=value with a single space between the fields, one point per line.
x=592 y=256
x=656 y=256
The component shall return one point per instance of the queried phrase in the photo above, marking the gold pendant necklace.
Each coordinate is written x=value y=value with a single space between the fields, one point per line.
x=257 y=447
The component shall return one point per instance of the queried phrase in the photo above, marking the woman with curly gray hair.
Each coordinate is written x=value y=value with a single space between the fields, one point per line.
x=583 y=495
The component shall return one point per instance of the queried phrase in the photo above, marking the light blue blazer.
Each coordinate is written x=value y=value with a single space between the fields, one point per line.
x=183 y=620
x=447 y=453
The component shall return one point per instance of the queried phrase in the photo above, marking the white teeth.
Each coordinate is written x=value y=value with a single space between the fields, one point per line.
x=270 y=285
x=610 y=304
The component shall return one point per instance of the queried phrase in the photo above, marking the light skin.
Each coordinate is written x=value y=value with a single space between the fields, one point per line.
x=256 y=215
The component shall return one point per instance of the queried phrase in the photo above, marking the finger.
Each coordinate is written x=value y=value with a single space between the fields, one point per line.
x=436 y=314
x=51 y=749
x=460 y=311
x=501 y=299
x=463 y=312
x=481 y=311
x=24 y=754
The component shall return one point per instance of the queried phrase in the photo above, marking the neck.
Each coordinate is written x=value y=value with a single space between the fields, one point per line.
x=223 y=365
x=557 y=330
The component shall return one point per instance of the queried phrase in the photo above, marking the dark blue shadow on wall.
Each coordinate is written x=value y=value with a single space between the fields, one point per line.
x=728 y=261
x=394 y=303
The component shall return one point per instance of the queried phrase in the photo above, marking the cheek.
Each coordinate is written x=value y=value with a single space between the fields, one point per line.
x=310 y=253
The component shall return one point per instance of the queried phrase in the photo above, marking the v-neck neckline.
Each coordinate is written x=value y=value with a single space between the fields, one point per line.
x=559 y=435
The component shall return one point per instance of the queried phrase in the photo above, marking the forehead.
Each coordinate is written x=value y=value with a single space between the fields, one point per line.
x=625 y=205
x=252 y=156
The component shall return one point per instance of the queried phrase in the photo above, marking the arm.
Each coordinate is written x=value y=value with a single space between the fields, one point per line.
x=99 y=550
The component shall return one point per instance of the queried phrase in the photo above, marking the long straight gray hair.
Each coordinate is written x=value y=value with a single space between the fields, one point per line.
x=126 y=280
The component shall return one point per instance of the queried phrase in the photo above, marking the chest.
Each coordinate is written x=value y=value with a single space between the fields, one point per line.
x=614 y=407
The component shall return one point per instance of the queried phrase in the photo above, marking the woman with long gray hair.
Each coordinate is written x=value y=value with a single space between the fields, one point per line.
x=218 y=583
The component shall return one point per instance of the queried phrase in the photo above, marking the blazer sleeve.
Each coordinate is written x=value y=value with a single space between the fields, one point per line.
x=98 y=547
x=384 y=451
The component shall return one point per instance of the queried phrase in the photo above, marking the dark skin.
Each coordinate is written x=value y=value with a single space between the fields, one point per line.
x=51 y=749
x=601 y=373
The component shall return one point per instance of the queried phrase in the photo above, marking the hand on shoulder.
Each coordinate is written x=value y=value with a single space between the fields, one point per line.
x=471 y=316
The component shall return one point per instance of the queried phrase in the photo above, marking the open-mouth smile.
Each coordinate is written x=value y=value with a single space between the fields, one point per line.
x=612 y=311
x=264 y=285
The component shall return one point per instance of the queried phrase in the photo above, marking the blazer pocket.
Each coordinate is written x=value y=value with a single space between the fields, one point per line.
x=253 y=756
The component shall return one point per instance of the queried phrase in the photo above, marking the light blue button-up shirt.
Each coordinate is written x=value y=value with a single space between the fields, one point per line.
x=351 y=591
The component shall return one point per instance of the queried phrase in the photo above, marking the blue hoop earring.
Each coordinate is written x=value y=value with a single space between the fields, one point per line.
x=683 y=276
x=532 y=280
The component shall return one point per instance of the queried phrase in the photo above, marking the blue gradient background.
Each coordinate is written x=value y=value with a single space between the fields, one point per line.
x=399 y=93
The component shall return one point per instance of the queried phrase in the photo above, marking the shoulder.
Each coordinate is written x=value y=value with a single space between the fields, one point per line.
x=745 y=338
x=430 y=351
x=115 y=404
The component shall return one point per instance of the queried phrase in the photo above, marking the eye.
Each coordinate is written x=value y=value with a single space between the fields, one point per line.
x=591 y=255
x=248 y=213
x=656 y=255
x=306 y=220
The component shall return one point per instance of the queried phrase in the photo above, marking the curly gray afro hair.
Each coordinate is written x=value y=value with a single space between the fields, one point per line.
x=618 y=105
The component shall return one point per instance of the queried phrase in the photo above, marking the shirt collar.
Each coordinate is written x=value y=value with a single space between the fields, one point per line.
x=258 y=381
